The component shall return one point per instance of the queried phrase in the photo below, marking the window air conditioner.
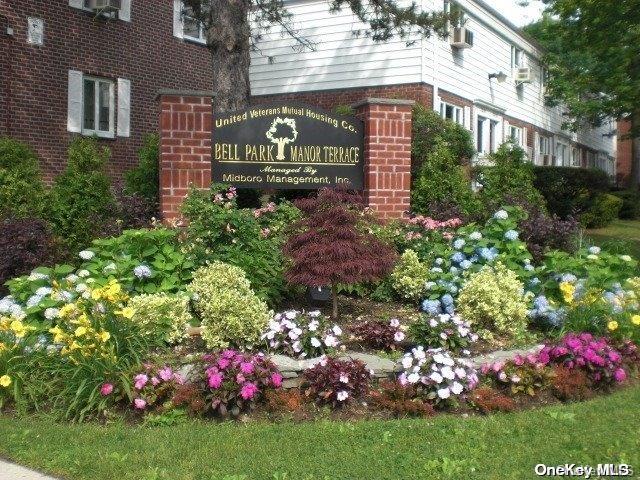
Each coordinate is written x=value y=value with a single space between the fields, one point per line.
x=105 y=5
x=522 y=75
x=462 y=38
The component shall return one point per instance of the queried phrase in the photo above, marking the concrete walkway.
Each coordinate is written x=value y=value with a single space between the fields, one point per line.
x=11 y=471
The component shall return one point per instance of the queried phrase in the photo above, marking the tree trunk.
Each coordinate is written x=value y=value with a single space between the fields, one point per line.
x=635 y=150
x=334 y=297
x=229 y=40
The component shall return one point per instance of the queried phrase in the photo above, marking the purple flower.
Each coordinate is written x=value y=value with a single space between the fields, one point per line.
x=223 y=362
x=139 y=403
x=215 y=380
x=276 y=379
x=246 y=368
x=140 y=381
x=165 y=374
x=248 y=390
x=620 y=375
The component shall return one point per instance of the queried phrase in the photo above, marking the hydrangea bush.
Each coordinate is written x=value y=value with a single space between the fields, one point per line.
x=437 y=375
x=493 y=301
x=446 y=331
x=230 y=312
x=164 y=318
x=300 y=334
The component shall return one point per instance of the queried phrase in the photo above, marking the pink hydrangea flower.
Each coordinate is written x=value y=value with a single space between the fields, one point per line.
x=140 y=381
x=139 y=403
x=248 y=391
x=106 y=389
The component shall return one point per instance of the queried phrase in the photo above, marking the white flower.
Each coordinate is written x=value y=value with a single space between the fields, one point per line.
x=33 y=301
x=51 y=313
x=501 y=215
x=344 y=378
x=314 y=314
x=413 y=378
x=17 y=312
x=444 y=393
x=86 y=255
x=463 y=331
x=433 y=323
x=448 y=373
x=460 y=372
x=6 y=303
x=407 y=361
x=313 y=326
x=594 y=250
x=626 y=258
x=439 y=358
x=291 y=314
x=35 y=276
x=395 y=323
x=315 y=342
x=43 y=291
x=443 y=336
x=398 y=336
x=337 y=330
x=436 y=377
x=475 y=236
x=72 y=278
x=342 y=395
x=331 y=341
x=83 y=273
x=142 y=271
x=81 y=287
x=592 y=257
x=296 y=347
x=515 y=379
x=456 y=388
x=86 y=295
x=110 y=268
x=502 y=376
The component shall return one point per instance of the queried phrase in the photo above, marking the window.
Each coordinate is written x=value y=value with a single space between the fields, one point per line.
x=576 y=160
x=480 y=135
x=487 y=135
x=543 y=145
x=98 y=106
x=516 y=135
x=452 y=112
x=86 y=5
x=192 y=29
x=517 y=57
x=562 y=154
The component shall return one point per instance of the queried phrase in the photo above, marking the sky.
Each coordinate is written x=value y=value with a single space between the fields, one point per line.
x=518 y=15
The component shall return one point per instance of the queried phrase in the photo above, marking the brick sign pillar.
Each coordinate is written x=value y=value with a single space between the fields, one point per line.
x=185 y=147
x=387 y=154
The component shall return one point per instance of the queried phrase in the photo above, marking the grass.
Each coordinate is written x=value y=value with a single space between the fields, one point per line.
x=505 y=446
x=623 y=236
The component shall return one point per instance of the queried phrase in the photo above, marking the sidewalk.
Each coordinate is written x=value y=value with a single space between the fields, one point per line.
x=11 y=471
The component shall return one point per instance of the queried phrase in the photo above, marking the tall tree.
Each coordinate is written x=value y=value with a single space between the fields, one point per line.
x=593 y=60
x=234 y=27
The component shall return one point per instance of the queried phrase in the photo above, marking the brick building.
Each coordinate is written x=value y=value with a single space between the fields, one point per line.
x=68 y=70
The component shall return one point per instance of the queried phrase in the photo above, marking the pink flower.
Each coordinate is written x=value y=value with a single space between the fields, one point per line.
x=246 y=368
x=229 y=354
x=139 y=403
x=240 y=378
x=223 y=362
x=620 y=375
x=543 y=356
x=248 y=391
x=573 y=343
x=140 y=381
x=518 y=360
x=155 y=381
x=276 y=379
x=106 y=389
x=165 y=374
x=215 y=380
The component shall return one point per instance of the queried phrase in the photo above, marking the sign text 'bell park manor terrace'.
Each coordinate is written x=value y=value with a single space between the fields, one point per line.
x=287 y=145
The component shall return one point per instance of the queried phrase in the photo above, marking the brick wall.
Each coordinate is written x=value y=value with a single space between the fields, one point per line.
x=418 y=92
x=625 y=154
x=143 y=51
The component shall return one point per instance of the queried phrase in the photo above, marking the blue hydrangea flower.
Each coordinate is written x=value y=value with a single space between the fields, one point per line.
x=511 y=235
x=594 y=250
x=43 y=291
x=432 y=307
x=453 y=270
x=501 y=215
x=436 y=270
x=529 y=268
x=458 y=243
x=33 y=301
x=439 y=261
x=458 y=257
x=473 y=258
x=534 y=281
x=429 y=285
x=449 y=309
x=465 y=264
x=447 y=299
x=142 y=271
x=489 y=254
x=541 y=304
x=569 y=278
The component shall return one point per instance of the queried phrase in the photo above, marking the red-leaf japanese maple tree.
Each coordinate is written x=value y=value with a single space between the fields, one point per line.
x=332 y=244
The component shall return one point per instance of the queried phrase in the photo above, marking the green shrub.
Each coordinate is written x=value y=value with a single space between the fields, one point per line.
x=144 y=179
x=22 y=192
x=163 y=318
x=493 y=302
x=442 y=180
x=429 y=129
x=82 y=204
x=604 y=210
x=570 y=191
x=409 y=276
x=630 y=204
x=230 y=313
x=510 y=176
x=144 y=261
x=249 y=239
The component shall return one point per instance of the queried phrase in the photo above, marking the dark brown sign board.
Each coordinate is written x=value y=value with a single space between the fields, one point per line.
x=287 y=145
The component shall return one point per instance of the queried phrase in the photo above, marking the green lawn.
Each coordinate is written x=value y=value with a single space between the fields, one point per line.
x=622 y=235
x=505 y=446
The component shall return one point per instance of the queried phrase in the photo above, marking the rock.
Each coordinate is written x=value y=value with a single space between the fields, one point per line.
x=502 y=355
x=382 y=367
x=286 y=364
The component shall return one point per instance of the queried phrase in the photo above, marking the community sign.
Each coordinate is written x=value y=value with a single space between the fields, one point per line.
x=287 y=145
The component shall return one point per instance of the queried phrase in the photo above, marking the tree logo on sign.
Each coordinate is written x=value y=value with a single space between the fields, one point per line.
x=282 y=132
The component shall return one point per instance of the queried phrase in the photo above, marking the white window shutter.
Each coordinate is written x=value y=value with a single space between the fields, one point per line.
x=525 y=140
x=505 y=128
x=125 y=10
x=74 y=98
x=124 y=107
x=76 y=3
x=177 y=19
x=467 y=118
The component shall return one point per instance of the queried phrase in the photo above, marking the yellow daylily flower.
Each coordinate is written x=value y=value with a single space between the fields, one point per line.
x=105 y=336
x=67 y=309
x=127 y=312
x=568 y=290
x=612 y=325
x=80 y=331
x=5 y=381
x=635 y=319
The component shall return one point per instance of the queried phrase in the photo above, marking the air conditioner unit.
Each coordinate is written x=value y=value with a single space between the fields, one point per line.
x=105 y=5
x=522 y=75
x=462 y=38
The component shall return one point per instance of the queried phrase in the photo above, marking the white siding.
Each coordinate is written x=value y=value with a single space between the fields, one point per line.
x=342 y=60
